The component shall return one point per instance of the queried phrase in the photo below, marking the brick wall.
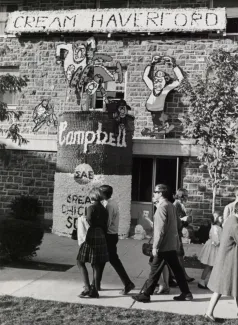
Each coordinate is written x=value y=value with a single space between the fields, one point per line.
x=169 y=3
x=90 y=4
x=200 y=192
x=58 y=4
x=36 y=58
x=27 y=172
x=33 y=173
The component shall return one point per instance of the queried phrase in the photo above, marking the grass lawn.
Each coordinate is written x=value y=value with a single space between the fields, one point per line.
x=28 y=311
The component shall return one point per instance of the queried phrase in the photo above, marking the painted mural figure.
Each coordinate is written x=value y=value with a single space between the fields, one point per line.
x=161 y=84
x=76 y=57
x=84 y=67
x=44 y=114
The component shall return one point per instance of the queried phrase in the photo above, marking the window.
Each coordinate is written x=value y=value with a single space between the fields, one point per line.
x=232 y=14
x=11 y=99
x=232 y=26
x=112 y=4
x=148 y=171
x=5 y=8
x=142 y=173
x=114 y=91
x=224 y=3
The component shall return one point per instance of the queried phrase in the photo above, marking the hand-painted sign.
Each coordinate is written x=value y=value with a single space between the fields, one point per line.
x=160 y=83
x=117 y=20
x=83 y=174
x=85 y=138
x=44 y=114
x=85 y=68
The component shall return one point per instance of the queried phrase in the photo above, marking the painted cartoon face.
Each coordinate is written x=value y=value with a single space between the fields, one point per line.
x=44 y=103
x=70 y=71
x=79 y=52
x=122 y=111
x=159 y=82
x=91 y=87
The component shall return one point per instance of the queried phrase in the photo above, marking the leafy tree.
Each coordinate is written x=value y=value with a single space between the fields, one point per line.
x=212 y=115
x=12 y=84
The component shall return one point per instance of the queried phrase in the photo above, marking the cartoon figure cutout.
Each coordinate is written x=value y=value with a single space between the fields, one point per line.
x=44 y=114
x=84 y=67
x=161 y=84
x=119 y=110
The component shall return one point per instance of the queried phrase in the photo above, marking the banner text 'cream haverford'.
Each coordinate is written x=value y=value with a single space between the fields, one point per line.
x=117 y=20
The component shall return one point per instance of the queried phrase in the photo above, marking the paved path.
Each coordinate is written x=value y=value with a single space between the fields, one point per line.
x=66 y=286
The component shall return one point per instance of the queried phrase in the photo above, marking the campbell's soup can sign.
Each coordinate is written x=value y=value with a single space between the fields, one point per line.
x=93 y=150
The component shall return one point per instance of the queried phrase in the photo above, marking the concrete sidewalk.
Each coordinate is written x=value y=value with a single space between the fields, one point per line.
x=66 y=286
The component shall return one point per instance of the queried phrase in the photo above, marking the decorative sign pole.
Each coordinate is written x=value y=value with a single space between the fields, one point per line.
x=93 y=149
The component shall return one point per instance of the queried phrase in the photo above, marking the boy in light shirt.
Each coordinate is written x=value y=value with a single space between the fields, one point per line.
x=112 y=238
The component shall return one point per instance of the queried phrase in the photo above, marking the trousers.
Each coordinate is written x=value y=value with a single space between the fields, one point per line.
x=112 y=240
x=157 y=265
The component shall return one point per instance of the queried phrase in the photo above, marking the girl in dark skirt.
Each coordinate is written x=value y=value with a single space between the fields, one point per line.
x=94 y=249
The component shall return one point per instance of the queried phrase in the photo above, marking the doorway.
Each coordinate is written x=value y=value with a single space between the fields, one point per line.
x=146 y=173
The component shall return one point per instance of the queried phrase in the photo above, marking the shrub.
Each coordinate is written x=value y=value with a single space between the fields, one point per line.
x=25 y=207
x=19 y=239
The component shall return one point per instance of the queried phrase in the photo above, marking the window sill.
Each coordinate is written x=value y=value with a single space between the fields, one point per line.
x=7 y=36
x=230 y=34
x=11 y=107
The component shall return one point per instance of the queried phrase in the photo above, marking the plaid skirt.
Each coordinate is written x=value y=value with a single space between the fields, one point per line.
x=94 y=249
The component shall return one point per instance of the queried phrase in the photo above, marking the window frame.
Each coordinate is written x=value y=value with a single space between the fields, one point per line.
x=11 y=107
x=9 y=3
x=179 y=176
x=103 y=108
x=229 y=11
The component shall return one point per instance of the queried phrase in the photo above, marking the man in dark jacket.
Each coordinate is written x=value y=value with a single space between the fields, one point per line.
x=165 y=246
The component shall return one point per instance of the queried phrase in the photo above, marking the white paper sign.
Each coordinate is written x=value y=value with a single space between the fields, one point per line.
x=117 y=20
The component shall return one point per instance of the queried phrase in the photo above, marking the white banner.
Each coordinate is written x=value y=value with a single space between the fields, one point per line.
x=117 y=20
x=71 y=198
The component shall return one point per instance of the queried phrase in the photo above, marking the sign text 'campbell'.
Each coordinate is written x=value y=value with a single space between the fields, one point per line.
x=85 y=138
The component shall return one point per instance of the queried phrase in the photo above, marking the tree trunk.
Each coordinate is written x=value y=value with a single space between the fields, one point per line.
x=214 y=191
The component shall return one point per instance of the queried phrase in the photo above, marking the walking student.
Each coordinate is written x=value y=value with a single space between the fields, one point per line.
x=165 y=246
x=209 y=251
x=223 y=279
x=181 y=197
x=112 y=238
x=94 y=248
x=229 y=208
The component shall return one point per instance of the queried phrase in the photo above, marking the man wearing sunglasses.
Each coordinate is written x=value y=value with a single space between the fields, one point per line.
x=165 y=246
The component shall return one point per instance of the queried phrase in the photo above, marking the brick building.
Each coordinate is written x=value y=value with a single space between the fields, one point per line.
x=30 y=168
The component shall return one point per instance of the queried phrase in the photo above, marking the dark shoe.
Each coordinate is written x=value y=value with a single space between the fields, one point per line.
x=190 y=280
x=173 y=284
x=201 y=286
x=209 y=318
x=97 y=287
x=93 y=293
x=127 y=289
x=184 y=297
x=84 y=293
x=141 y=297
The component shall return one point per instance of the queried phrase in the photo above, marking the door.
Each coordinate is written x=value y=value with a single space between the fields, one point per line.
x=166 y=173
x=146 y=173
